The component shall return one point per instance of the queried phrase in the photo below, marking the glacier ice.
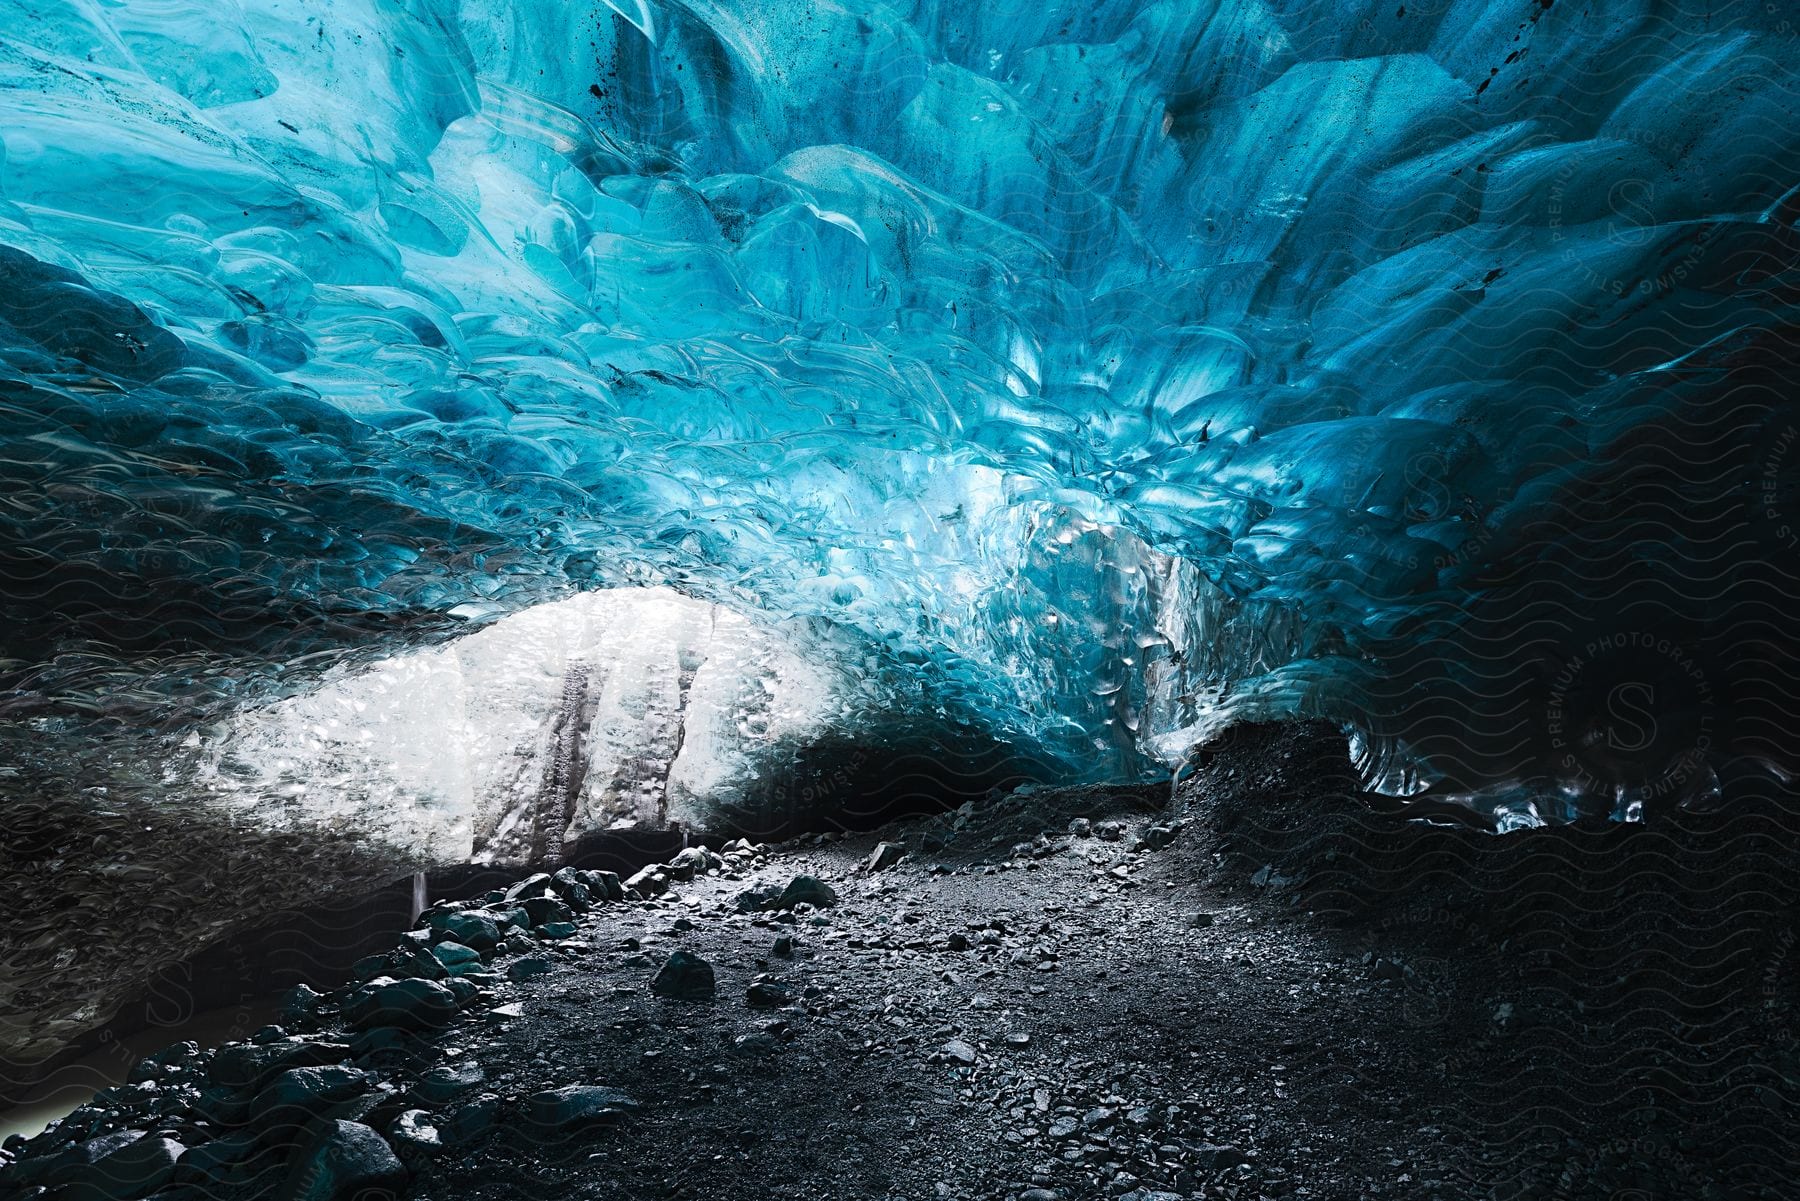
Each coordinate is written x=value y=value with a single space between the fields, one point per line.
x=615 y=709
x=1110 y=370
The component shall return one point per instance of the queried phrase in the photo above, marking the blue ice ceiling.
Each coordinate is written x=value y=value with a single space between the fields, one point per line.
x=1114 y=369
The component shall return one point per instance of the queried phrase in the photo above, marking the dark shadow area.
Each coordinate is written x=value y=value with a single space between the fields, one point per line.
x=1626 y=993
x=845 y=784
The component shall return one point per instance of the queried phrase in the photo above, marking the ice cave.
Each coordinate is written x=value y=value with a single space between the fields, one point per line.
x=1098 y=494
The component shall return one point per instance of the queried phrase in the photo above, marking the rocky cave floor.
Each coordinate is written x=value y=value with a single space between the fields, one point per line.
x=1078 y=993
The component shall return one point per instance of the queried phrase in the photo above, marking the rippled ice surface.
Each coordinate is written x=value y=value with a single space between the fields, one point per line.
x=1105 y=370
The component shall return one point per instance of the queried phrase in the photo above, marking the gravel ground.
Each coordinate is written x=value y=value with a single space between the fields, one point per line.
x=1071 y=993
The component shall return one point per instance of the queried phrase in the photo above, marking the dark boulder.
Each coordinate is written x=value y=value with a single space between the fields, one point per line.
x=344 y=1161
x=684 y=975
x=244 y=1163
x=456 y=957
x=472 y=928
x=443 y=1084
x=804 y=890
x=543 y=910
x=301 y=1093
x=652 y=881
x=139 y=1167
x=248 y=1065
x=559 y=1110
x=527 y=968
x=530 y=886
x=606 y=885
x=766 y=992
x=407 y=1004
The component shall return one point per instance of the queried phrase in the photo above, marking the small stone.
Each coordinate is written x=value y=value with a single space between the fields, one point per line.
x=755 y=1046
x=766 y=992
x=684 y=975
x=409 y=1004
x=649 y=882
x=1018 y=1038
x=557 y=930
x=958 y=941
x=456 y=957
x=960 y=1051
x=343 y=1160
x=530 y=886
x=1216 y=1157
x=527 y=968
x=548 y=910
x=472 y=928
x=576 y=1106
x=885 y=855
x=804 y=890
x=299 y=1093
x=784 y=946
x=1201 y=920
x=447 y=1083
x=141 y=1166
x=415 y=1131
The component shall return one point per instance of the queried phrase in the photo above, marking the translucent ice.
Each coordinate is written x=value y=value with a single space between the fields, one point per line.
x=1111 y=370
x=619 y=708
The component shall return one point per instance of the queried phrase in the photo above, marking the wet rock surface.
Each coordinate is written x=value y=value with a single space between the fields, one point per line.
x=1049 y=996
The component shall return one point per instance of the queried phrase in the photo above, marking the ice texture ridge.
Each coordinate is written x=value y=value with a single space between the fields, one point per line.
x=1114 y=369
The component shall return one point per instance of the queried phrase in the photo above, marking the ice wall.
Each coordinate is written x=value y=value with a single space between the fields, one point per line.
x=619 y=709
x=1113 y=369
